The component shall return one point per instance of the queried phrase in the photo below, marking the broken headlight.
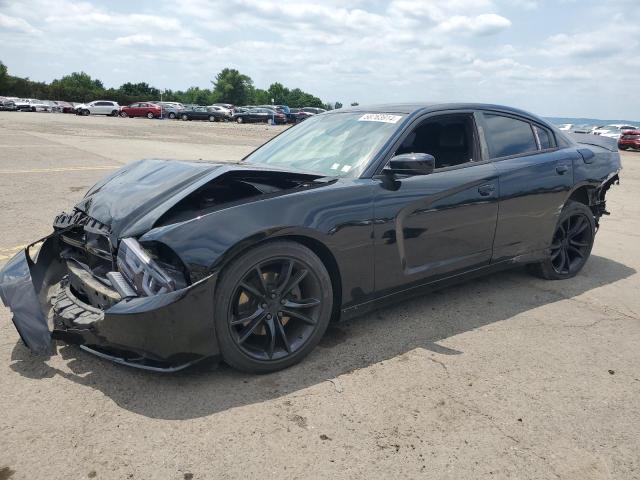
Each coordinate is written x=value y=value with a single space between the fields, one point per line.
x=143 y=272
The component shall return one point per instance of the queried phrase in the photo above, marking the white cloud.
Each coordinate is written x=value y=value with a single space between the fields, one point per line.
x=486 y=24
x=17 y=24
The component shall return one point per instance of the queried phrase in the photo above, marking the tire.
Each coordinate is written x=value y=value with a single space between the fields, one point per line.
x=86 y=113
x=114 y=113
x=185 y=117
x=124 y=114
x=263 y=323
x=172 y=116
x=623 y=148
x=150 y=115
x=212 y=118
x=239 y=120
x=571 y=244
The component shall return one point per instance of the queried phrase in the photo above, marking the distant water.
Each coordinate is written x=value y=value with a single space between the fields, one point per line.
x=588 y=121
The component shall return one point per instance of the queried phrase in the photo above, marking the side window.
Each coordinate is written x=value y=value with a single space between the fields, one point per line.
x=507 y=136
x=545 y=140
x=449 y=138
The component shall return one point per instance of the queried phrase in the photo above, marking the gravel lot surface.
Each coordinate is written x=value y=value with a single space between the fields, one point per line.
x=504 y=377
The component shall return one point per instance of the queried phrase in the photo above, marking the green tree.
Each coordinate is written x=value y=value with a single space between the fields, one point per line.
x=231 y=86
x=78 y=86
x=337 y=105
x=278 y=93
x=4 y=78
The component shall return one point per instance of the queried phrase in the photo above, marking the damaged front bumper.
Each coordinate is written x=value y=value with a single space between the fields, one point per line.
x=164 y=332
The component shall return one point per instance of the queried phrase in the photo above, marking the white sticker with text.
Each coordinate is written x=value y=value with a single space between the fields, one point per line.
x=380 y=117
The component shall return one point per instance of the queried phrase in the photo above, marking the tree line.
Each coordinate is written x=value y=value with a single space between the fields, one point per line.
x=229 y=86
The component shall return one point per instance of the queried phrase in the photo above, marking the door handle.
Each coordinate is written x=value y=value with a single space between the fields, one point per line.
x=562 y=169
x=486 y=190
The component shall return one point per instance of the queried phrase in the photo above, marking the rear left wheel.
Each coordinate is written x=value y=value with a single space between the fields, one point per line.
x=150 y=115
x=571 y=244
x=272 y=306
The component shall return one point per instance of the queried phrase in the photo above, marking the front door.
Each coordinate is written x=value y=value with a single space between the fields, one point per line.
x=432 y=226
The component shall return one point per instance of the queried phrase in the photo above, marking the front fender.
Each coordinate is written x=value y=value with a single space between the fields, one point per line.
x=341 y=219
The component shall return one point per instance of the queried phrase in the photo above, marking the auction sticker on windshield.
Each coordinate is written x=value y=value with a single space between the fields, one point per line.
x=379 y=117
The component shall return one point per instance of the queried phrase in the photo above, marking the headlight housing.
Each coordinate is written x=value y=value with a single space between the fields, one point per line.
x=142 y=272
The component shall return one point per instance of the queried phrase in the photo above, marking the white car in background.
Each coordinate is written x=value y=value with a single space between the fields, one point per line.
x=36 y=105
x=99 y=107
x=612 y=131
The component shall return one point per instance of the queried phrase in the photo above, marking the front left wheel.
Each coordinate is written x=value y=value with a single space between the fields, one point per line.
x=272 y=306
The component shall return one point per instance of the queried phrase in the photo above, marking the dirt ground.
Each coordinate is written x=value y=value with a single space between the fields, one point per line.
x=504 y=377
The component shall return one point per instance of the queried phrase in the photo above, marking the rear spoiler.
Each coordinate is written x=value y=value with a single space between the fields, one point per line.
x=607 y=143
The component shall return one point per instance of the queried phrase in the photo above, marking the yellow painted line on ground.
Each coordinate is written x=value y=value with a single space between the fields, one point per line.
x=61 y=169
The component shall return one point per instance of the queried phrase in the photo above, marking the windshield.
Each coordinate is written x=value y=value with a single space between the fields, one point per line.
x=333 y=145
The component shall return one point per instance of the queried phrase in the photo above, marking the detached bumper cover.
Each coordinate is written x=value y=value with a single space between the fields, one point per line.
x=17 y=293
x=162 y=332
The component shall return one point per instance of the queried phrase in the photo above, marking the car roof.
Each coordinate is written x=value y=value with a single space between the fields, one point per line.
x=412 y=109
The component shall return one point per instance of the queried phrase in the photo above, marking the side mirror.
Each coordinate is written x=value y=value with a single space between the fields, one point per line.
x=410 y=164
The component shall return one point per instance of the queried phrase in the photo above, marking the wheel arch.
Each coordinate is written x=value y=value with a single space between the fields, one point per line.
x=583 y=193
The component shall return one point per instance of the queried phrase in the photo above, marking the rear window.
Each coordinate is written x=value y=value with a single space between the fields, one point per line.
x=507 y=136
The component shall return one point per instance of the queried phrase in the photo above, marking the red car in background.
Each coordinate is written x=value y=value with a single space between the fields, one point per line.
x=629 y=139
x=142 y=109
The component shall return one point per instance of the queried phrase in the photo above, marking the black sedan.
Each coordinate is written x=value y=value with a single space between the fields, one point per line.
x=254 y=115
x=201 y=113
x=165 y=263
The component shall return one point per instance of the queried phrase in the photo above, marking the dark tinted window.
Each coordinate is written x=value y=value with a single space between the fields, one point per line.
x=508 y=136
x=544 y=136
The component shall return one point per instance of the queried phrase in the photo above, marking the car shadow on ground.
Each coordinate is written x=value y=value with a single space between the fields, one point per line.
x=382 y=335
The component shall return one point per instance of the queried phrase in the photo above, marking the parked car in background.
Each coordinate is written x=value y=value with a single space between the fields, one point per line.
x=266 y=115
x=299 y=115
x=99 y=107
x=630 y=139
x=176 y=105
x=141 y=109
x=36 y=105
x=313 y=110
x=226 y=112
x=202 y=113
x=22 y=104
x=613 y=130
x=170 y=109
x=8 y=105
x=65 y=107
x=228 y=106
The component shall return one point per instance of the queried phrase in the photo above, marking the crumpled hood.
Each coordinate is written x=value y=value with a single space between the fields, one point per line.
x=132 y=199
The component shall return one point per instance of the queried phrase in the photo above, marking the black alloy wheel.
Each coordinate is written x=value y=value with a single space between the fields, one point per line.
x=172 y=115
x=185 y=117
x=571 y=244
x=272 y=307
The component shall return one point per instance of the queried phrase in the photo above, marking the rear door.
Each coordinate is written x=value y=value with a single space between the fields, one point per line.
x=534 y=176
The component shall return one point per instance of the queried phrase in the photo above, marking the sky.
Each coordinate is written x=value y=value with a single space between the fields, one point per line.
x=574 y=58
